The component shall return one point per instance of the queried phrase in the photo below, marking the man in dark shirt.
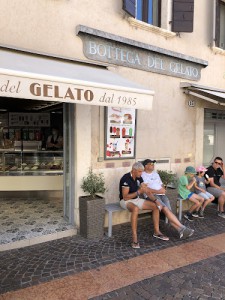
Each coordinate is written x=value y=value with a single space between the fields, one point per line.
x=131 y=188
x=213 y=174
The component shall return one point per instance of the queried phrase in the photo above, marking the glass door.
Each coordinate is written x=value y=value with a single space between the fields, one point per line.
x=209 y=143
x=68 y=146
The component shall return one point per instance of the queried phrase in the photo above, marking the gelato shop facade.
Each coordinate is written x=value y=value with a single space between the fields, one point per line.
x=118 y=89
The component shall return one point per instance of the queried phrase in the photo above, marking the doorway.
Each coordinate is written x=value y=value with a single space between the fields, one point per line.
x=214 y=135
x=31 y=214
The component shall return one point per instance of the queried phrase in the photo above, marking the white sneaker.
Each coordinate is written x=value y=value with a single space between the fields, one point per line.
x=221 y=214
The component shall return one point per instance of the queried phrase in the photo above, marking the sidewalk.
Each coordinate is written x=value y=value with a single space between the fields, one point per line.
x=76 y=268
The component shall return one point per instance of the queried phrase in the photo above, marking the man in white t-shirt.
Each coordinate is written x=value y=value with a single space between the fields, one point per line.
x=152 y=178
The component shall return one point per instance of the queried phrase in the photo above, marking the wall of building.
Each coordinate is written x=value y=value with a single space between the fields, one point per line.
x=171 y=129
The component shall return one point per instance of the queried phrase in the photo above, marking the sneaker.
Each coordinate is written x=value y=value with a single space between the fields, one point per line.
x=201 y=214
x=186 y=232
x=195 y=214
x=189 y=217
x=161 y=237
x=135 y=245
x=221 y=214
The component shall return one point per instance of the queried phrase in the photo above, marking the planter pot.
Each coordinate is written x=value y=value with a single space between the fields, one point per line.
x=92 y=215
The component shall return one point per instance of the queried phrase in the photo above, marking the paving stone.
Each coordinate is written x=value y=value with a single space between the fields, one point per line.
x=56 y=259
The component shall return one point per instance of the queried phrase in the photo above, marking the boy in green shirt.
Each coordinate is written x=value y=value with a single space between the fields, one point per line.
x=184 y=187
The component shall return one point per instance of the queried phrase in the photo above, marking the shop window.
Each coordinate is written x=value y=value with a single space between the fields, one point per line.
x=158 y=13
x=220 y=24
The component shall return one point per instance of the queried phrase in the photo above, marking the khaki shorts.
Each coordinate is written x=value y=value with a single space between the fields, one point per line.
x=138 y=202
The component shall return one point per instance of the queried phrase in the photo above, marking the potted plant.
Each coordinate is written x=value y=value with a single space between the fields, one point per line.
x=92 y=206
x=169 y=179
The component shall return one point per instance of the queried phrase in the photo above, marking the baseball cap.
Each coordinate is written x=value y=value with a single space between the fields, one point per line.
x=147 y=161
x=201 y=169
x=190 y=170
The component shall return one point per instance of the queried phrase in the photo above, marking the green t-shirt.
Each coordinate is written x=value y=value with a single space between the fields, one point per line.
x=183 y=191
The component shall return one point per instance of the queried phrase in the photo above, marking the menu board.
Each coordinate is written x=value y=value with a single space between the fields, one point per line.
x=120 y=132
x=29 y=119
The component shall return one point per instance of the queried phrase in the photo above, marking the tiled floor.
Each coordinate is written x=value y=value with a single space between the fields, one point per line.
x=25 y=219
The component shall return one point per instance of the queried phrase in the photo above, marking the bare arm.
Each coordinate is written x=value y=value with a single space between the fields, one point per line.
x=212 y=184
x=191 y=184
x=198 y=188
x=127 y=195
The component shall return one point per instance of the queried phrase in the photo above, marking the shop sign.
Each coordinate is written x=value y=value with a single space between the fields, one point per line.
x=37 y=89
x=109 y=52
x=117 y=50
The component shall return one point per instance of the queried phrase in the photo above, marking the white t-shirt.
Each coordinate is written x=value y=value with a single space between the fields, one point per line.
x=153 y=180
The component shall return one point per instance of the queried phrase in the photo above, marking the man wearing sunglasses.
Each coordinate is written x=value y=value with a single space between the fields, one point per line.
x=213 y=174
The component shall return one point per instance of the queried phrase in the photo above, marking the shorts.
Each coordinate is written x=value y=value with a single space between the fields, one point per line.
x=214 y=191
x=189 y=195
x=205 y=195
x=137 y=201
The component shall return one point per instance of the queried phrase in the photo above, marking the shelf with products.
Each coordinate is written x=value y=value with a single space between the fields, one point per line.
x=20 y=163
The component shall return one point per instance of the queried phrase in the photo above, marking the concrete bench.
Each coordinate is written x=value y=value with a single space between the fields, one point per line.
x=113 y=207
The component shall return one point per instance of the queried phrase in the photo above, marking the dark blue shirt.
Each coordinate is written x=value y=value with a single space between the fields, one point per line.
x=128 y=181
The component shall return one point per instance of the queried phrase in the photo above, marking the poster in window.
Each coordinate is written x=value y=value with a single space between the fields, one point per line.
x=120 y=131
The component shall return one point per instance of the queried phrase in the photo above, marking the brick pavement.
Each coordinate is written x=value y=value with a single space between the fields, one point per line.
x=68 y=257
x=202 y=280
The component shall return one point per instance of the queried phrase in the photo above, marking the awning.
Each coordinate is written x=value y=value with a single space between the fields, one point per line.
x=24 y=75
x=210 y=94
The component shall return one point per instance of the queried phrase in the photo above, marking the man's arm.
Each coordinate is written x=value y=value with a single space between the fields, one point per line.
x=160 y=191
x=127 y=195
x=223 y=169
x=212 y=184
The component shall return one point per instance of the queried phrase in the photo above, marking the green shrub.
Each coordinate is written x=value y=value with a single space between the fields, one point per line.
x=167 y=177
x=93 y=184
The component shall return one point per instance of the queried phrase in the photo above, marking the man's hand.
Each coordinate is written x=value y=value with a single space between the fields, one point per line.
x=143 y=188
x=158 y=205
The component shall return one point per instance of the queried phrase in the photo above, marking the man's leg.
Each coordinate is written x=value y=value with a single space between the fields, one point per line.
x=172 y=218
x=221 y=201
x=165 y=200
x=134 y=216
x=148 y=205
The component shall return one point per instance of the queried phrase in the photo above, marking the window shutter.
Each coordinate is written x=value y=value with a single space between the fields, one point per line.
x=129 y=7
x=183 y=15
x=217 y=25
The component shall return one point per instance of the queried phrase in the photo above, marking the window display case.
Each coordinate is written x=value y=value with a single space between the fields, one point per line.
x=38 y=163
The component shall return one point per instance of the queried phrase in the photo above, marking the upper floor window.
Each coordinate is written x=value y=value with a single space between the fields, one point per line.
x=149 y=11
x=220 y=24
x=179 y=13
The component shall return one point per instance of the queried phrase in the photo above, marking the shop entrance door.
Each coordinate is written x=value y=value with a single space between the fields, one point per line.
x=68 y=146
x=214 y=136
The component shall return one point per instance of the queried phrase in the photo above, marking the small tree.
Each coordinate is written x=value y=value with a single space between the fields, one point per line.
x=167 y=177
x=93 y=184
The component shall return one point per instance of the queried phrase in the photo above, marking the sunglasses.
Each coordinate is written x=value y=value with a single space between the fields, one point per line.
x=218 y=163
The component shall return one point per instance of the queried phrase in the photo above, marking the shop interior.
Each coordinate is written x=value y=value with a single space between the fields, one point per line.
x=25 y=128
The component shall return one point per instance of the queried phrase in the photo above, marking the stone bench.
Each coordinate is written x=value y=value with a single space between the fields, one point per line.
x=180 y=205
x=114 y=207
